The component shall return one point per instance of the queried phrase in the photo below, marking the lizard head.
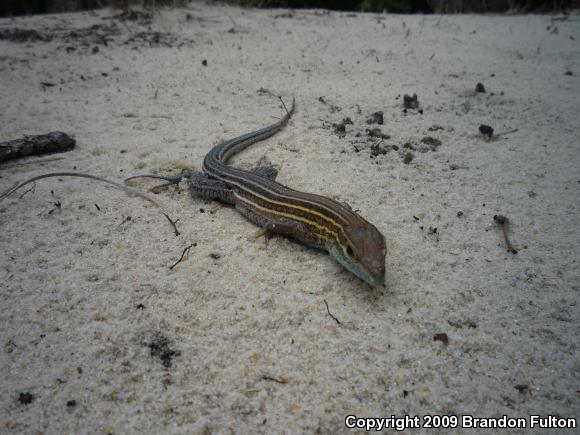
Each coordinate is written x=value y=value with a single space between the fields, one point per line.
x=363 y=253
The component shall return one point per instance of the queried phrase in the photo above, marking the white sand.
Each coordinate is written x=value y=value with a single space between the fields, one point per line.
x=72 y=280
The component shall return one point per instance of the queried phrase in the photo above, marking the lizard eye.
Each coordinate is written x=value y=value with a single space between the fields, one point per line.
x=349 y=250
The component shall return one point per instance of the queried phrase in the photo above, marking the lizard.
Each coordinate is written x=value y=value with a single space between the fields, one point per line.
x=313 y=220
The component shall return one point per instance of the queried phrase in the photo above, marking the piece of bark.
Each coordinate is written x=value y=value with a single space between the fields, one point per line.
x=53 y=142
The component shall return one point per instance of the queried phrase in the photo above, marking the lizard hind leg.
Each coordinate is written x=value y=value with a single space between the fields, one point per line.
x=269 y=172
x=202 y=185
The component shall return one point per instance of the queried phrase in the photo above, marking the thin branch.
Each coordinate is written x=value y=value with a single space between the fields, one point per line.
x=281 y=380
x=185 y=251
x=329 y=313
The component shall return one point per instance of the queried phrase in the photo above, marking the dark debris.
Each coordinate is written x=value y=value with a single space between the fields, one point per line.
x=161 y=348
x=376 y=118
x=340 y=128
x=522 y=388
x=432 y=142
x=377 y=150
x=442 y=337
x=25 y=398
x=376 y=132
x=486 y=130
x=410 y=102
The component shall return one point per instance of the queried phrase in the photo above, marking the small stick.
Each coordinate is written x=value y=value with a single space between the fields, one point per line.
x=127 y=219
x=92 y=177
x=329 y=313
x=503 y=222
x=505 y=133
x=282 y=380
x=182 y=255
x=173 y=223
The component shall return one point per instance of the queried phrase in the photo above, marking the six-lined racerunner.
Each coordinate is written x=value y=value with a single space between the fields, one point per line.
x=314 y=220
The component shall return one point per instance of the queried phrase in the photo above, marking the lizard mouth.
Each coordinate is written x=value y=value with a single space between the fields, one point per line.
x=374 y=279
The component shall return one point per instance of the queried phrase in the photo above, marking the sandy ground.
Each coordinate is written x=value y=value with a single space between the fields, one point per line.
x=99 y=335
